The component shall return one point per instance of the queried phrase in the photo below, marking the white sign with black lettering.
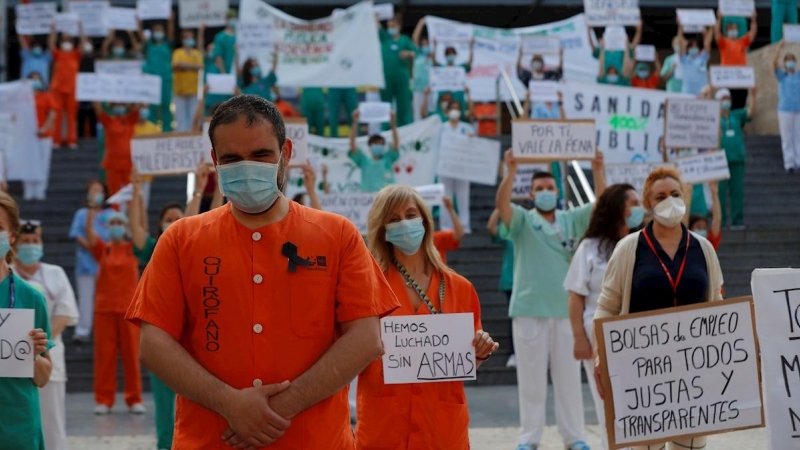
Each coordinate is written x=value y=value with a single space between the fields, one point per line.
x=129 y=67
x=732 y=76
x=692 y=123
x=541 y=45
x=776 y=294
x=791 y=33
x=122 y=19
x=194 y=13
x=553 y=139
x=428 y=348
x=221 y=83
x=680 y=372
x=704 y=167
x=433 y=194
x=374 y=112
x=543 y=91
x=468 y=158
x=524 y=177
x=153 y=9
x=169 y=153
x=253 y=38
x=297 y=131
x=645 y=53
x=92 y=14
x=696 y=17
x=600 y=13
x=67 y=23
x=450 y=79
x=741 y=8
x=16 y=346
x=35 y=18
x=384 y=11
x=633 y=174
x=354 y=206
x=92 y=87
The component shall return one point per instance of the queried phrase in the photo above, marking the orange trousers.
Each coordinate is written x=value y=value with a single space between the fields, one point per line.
x=112 y=335
x=117 y=179
x=66 y=104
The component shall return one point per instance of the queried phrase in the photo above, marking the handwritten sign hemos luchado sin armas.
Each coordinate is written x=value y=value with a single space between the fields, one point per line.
x=168 y=153
x=546 y=140
x=680 y=373
x=776 y=294
x=16 y=346
x=428 y=348
x=692 y=123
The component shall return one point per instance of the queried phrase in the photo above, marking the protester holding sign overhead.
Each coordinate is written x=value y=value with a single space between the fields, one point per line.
x=398 y=51
x=615 y=58
x=456 y=188
x=35 y=58
x=694 y=60
x=187 y=62
x=732 y=48
x=672 y=71
x=254 y=82
x=788 y=107
x=158 y=61
x=610 y=74
x=646 y=76
x=537 y=70
x=119 y=121
x=377 y=171
x=115 y=48
x=66 y=62
x=544 y=241
x=421 y=415
x=732 y=141
x=225 y=44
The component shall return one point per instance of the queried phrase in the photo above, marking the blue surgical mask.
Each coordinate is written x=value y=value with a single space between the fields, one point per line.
x=29 y=254
x=120 y=110
x=116 y=232
x=425 y=50
x=733 y=33
x=636 y=218
x=726 y=105
x=377 y=150
x=119 y=51
x=643 y=74
x=393 y=31
x=545 y=201
x=791 y=65
x=612 y=78
x=5 y=245
x=694 y=51
x=189 y=43
x=165 y=225
x=451 y=59
x=406 y=235
x=255 y=71
x=232 y=23
x=701 y=233
x=37 y=85
x=97 y=199
x=251 y=186
x=158 y=35
x=37 y=51
x=144 y=113
x=676 y=49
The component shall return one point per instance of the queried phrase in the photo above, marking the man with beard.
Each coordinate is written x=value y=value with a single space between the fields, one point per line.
x=258 y=314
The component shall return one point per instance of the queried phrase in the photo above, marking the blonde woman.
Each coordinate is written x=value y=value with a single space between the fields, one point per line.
x=409 y=416
x=663 y=266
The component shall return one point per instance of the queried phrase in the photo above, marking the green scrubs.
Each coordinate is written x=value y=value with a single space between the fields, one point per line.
x=783 y=11
x=312 y=107
x=336 y=98
x=699 y=206
x=674 y=84
x=211 y=99
x=163 y=396
x=225 y=47
x=733 y=144
x=261 y=87
x=20 y=416
x=376 y=174
x=397 y=76
x=614 y=58
x=158 y=61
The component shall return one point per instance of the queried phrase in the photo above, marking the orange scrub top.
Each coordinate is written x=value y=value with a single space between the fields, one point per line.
x=430 y=416
x=445 y=241
x=117 y=278
x=65 y=70
x=44 y=104
x=227 y=294
x=650 y=82
x=118 y=134
x=733 y=52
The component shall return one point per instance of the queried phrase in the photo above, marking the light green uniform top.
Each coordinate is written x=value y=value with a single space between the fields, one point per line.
x=422 y=68
x=395 y=67
x=375 y=174
x=542 y=254
x=158 y=58
x=674 y=84
x=733 y=134
x=225 y=47
x=20 y=417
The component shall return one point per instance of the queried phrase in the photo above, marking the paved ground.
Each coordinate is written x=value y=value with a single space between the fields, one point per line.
x=493 y=412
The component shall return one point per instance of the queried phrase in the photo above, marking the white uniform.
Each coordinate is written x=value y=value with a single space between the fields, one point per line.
x=453 y=187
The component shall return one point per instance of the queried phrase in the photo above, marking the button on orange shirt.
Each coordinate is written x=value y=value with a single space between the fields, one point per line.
x=227 y=294
x=445 y=241
x=118 y=134
x=65 y=70
x=733 y=52
x=44 y=104
x=117 y=278
x=430 y=416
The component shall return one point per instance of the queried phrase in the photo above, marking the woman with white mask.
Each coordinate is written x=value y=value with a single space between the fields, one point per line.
x=454 y=188
x=663 y=266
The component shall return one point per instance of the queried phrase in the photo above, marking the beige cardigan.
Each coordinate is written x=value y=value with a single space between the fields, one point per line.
x=616 y=296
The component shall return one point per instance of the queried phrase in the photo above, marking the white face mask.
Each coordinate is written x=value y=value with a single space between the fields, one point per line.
x=66 y=46
x=454 y=114
x=670 y=211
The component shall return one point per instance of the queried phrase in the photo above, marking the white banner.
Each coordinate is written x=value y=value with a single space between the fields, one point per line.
x=547 y=140
x=194 y=13
x=354 y=206
x=433 y=194
x=384 y=11
x=328 y=52
x=429 y=348
x=447 y=79
x=680 y=372
x=297 y=131
x=68 y=23
x=732 y=76
x=122 y=19
x=92 y=14
x=629 y=121
x=153 y=9
x=646 y=53
x=374 y=112
x=524 y=177
x=696 y=17
x=255 y=40
x=35 y=18
x=221 y=83
x=168 y=154
x=601 y=13
x=129 y=67
x=633 y=174
x=742 y=8
x=16 y=346
x=703 y=167
x=449 y=31
x=92 y=87
x=469 y=158
x=17 y=102
x=541 y=45
x=791 y=33
x=692 y=123
x=776 y=294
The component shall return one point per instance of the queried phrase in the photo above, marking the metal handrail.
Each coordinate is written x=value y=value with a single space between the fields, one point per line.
x=512 y=91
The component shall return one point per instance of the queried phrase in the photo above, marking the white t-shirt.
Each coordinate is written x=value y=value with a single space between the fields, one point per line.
x=585 y=277
x=462 y=128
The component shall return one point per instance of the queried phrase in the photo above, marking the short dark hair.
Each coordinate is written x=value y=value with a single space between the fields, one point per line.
x=694 y=218
x=450 y=50
x=375 y=138
x=167 y=207
x=254 y=109
x=540 y=175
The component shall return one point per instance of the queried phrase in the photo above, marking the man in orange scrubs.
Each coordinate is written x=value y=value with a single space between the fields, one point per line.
x=119 y=122
x=66 y=63
x=262 y=311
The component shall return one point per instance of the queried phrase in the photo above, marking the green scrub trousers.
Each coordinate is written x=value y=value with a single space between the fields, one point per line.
x=158 y=61
x=783 y=11
x=164 y=399
x=398 y=89
x=312 y=106
x=336 y=98
x=735 y=188
x=164 y=110
x=699 y=206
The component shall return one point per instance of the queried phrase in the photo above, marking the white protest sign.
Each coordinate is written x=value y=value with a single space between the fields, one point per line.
x=696 y=17
x=384 y=11
x=194 y=13
x=297 y=131
x=428 y=348
x=92 y=87
x=92 y=14
x=692 y=123
x=447 y=78
x=742 y=8
x=646 y=53
x=543 y=91
x=16 y=346
x=732 y=76
x=776 y=295
x=633 y=174
x=433 y=194
x=35 y=18
x=122 y=19
x=615 y=39
x=67 y=23
x=129 y=67
x=442 y=30
x=553 y=139
x=703 y=167
x=524 y=177
x=153 y=9
x=122 y=196
x=468 y=158
x=354 y=206
x=600 y=13
x=371 y=112
x=255 y=40
x=689 y=29
x=169 y=153
x=221 y=83
x=791 y=33
x=679 y=373
x=17 y=103
x=541 y=45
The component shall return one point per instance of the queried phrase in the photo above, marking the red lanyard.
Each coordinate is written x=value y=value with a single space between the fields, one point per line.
x=673 y=282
